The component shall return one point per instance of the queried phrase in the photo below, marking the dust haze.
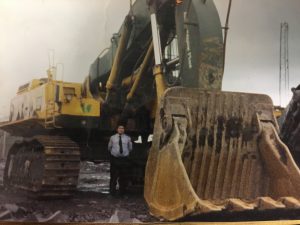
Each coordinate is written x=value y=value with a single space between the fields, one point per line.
x=77 y=31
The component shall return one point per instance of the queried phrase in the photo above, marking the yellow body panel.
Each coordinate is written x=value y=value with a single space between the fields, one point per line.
x=278 y=111
x=83 y=107
x=33 y=100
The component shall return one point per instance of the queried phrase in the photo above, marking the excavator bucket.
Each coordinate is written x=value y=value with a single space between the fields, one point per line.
x=216 y=152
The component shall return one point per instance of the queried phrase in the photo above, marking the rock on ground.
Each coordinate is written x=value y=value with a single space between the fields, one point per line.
x=91 y=203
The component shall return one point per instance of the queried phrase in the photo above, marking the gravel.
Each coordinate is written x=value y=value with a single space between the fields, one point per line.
x=91 y=203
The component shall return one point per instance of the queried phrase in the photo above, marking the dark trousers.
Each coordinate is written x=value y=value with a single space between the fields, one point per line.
x=119 y=169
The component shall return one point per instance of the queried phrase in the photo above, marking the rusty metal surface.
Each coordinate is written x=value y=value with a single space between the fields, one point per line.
x=216 y=152
x=200 y=42
x=45 y=166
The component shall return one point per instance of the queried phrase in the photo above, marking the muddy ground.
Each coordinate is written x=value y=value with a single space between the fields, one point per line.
x=91 y=203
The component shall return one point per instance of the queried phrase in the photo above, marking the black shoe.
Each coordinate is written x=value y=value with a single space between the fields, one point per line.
x=113 y=192
x=122 y=192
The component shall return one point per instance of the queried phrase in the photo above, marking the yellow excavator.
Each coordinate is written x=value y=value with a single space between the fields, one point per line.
x=212 y=151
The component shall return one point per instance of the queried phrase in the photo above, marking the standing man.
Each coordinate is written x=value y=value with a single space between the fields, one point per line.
x=119 y=146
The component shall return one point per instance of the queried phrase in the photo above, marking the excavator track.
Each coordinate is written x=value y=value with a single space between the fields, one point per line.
x=44 y=167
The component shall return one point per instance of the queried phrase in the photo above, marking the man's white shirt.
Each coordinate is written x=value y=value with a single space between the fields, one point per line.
x=114 y=147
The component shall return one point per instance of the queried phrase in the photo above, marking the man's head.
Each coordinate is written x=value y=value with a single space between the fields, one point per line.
x=121 y=129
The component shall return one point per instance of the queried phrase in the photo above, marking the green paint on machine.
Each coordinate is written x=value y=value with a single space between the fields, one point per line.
x=86 y=108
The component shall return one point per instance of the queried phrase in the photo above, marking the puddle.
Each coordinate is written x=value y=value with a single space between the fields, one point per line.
x=94 y=177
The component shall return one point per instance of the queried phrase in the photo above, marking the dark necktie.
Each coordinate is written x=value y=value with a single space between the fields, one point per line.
x=120 y=144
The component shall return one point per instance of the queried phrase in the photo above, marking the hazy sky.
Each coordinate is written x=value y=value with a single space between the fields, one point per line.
x=79 y=29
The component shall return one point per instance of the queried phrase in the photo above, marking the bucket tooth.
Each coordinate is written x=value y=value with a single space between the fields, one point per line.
x=265 y=203
x=290 y=202
x=235 y=204
x=218 y=151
